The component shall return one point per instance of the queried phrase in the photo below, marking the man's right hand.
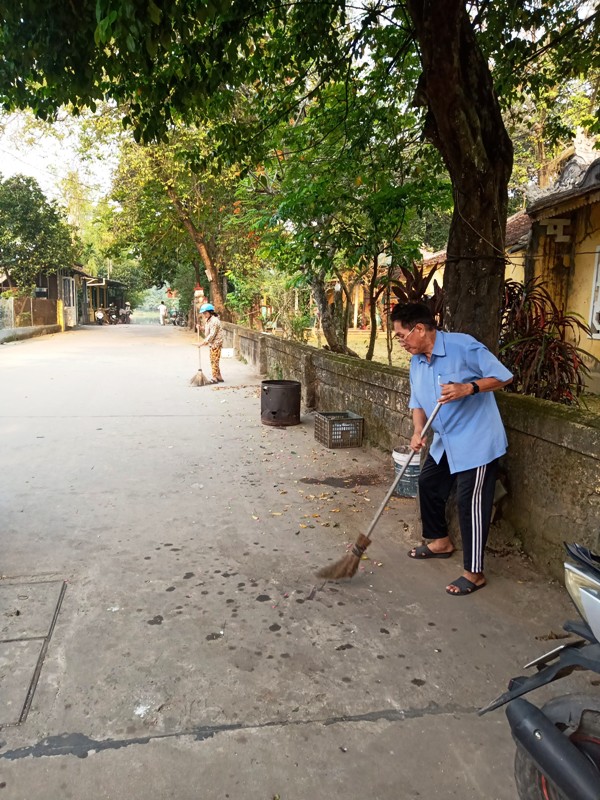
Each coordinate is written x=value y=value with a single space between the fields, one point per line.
x=417 y=442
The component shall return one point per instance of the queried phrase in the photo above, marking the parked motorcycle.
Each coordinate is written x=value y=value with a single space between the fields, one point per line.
x=125 y=315
x=179 y=320
x=113 y=315
x=100 y=316
x=558 y=745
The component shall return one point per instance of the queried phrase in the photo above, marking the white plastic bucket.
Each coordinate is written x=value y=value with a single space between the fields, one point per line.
x=409 y=483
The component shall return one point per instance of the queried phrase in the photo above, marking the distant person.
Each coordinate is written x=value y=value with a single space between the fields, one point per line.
x=459 y=372
x=125 y=314
x=162 y=312
x=213 y=338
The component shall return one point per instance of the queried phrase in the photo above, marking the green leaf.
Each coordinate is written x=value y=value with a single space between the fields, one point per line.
x=154 y=12
x=151 y=46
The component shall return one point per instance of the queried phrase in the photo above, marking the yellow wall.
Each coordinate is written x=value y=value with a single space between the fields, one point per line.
x=582 y=276
x=515 y=268
x=580 y=290
x=60 y=314
x=568 y=270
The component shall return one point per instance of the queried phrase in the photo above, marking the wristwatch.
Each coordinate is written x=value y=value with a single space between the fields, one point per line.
x=475 y=387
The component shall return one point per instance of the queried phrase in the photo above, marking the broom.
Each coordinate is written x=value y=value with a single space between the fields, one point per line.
x=199 y=378
x=346 y=567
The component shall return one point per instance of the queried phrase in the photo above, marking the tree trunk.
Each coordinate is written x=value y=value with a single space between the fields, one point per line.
x=373 y=309
x=465 y=124
x=330 y=328
x=338 y=313
x=197 y=272
x=388 y=328
x=214 y=277
x=342 y=310
x=212 y=272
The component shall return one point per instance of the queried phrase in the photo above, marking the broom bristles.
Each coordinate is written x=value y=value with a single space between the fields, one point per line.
x=199 y=379
x=347 y=566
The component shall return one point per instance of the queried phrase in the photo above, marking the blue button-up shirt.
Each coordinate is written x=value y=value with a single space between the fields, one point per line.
x=468 y=430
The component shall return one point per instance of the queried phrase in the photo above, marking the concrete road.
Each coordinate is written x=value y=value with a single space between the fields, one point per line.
x=163 y=635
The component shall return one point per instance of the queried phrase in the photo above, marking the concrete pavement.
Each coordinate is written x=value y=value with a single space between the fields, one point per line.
x=160 y=545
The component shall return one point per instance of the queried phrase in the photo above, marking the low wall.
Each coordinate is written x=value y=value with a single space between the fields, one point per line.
x=20 y=334
x=553 y=474
x=552 y=466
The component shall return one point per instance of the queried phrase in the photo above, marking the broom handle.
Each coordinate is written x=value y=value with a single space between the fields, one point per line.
x=400 y=475
x=199 y=351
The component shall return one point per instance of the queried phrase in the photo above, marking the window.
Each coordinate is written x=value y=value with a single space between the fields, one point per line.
x=595 y=309
x=68 y=292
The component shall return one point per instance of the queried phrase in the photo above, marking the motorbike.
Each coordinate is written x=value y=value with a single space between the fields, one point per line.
x=558 y=745
x=124 y=316
x=100 y=316
x=113 y=315
x=179 y=319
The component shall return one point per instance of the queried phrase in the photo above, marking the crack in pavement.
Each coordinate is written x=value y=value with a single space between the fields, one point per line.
x=80 y=745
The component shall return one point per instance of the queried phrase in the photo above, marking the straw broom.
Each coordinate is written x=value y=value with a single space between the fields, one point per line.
x=347 y=566
x=199 y=378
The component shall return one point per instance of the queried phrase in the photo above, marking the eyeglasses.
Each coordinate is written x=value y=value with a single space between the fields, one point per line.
x=400 y=338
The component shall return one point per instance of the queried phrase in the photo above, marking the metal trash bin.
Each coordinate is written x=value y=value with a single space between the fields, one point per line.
x=280 y=403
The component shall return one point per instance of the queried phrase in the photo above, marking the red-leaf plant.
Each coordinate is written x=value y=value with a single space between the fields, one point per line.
x=539 y=343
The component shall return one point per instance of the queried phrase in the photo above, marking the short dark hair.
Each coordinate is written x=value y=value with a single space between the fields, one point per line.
x=410 y=314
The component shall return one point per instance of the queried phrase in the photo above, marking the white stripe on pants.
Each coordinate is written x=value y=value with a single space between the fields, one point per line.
x=475 y=498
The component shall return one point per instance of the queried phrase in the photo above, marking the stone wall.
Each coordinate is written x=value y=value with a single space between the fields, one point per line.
x=553 y=476
x=552 y=467
x=248 y=345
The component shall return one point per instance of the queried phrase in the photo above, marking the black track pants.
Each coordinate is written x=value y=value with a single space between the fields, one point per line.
x=475 y=498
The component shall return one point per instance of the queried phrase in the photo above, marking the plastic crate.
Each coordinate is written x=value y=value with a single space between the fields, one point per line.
x=338 y=429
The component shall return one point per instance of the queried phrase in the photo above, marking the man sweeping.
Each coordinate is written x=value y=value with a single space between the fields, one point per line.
x=459 y=372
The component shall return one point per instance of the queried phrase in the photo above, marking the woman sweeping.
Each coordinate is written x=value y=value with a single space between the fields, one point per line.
x=213 y=338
